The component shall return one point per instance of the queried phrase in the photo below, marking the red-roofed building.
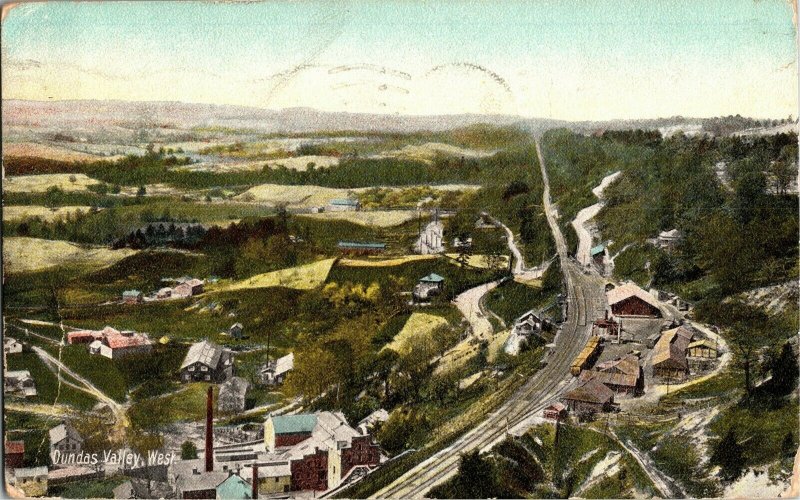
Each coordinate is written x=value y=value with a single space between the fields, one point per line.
x=14 y=454
x=110 y=342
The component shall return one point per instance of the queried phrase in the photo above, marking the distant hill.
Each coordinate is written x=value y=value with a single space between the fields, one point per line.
x=116 y=118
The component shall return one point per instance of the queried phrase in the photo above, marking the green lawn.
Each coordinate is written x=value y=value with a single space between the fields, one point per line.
x=47 y=383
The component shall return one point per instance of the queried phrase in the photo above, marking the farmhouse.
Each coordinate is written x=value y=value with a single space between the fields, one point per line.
x=343 y=205
x=11 y=346
x=590 y=397
x=274 y=372
x=206 y=362
x=31 y=480
x=188 y=288
x=428 y=287
x=630 y=300
x=164 y=293
x=532 y=323
x=132 y=297
x=14 y=455
x=19 y=382
x=360 y=248
x=65 y=439
x=233 y=395
x=669 y=354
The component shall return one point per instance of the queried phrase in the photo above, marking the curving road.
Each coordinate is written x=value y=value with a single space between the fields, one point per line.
x=586 y=301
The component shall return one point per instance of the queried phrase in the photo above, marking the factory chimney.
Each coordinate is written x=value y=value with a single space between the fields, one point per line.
x=255 y=481
x=210 y=430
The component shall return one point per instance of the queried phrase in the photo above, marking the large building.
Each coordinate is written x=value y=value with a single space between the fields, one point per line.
x=112 y=343
x=321 y=448
x=590 y=396
x=630 y=300
x=206 y=362
x=65 y=439
x=669 y=354
x=622 y=375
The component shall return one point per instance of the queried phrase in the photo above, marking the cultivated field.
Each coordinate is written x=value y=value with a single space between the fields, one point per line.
x=304 y=277
x=31 y=254
x=430 y=150
x=377 y=218
x=418 y=326
x=384 y=262
x=41 y=183
x=50 y=152
x=21 y=212
x=315 y=196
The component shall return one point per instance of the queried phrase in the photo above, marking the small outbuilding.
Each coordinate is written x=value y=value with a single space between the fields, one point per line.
x=235 y=331
x=11 y=346
x=556 y=411
x=428 y=287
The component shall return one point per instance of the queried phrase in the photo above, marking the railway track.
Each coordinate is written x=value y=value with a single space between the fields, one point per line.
x=585 y=295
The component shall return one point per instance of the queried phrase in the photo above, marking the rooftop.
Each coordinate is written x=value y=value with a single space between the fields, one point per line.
x=591 y=391
x=628 y=290
x=432 y=278
x=294 y=424
x=204 y=352
x=358 y=244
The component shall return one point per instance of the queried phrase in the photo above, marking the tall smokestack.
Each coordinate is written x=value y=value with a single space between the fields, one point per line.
x=255 y=481
x=210 y=430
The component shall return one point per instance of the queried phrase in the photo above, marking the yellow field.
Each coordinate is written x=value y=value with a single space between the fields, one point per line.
x=317 y=196
x=481 y=261
x=32 y=254
x=384 y=262
x=429 y=151
x=21 y=212
x=49 y=152
x=293 y=196
x=304 y=277
x=40 y=183
x=377 y=218
x=418 y=324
